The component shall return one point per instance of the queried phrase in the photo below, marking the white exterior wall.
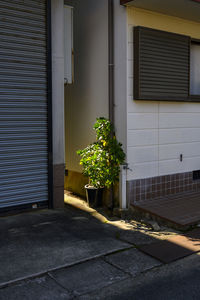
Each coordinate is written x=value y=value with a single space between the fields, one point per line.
x=87 y=98
x=57 y=17
x=158 y=131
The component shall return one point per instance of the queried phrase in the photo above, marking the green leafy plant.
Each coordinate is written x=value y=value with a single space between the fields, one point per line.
x=101 y=160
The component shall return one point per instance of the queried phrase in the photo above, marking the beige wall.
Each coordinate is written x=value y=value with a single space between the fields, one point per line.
x=158 y=132
x=120 y=72
x=87 y=98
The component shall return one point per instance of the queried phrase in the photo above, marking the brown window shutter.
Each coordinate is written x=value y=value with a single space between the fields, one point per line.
x=161 y=65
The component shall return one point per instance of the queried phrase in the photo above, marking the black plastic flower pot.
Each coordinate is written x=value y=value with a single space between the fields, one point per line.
x=94 y=196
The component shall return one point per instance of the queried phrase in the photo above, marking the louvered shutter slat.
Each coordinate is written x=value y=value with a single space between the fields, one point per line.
x=23 y=103
x=161 y=65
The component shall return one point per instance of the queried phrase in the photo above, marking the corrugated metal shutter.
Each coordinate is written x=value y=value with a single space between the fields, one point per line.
x=23 y=103
x=161 y=65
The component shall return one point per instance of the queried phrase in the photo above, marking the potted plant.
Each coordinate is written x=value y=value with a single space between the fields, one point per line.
x=101 y=161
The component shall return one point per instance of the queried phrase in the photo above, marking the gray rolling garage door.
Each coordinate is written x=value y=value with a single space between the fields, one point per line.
x=23 y=103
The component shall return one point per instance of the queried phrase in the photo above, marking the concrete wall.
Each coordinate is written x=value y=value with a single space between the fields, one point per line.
x=58 y=80
x=58 y=101
x=87 y=98
x=158 y=132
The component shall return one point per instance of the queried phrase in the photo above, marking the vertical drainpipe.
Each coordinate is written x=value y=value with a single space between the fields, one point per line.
x=111 y=75
x=111 y=59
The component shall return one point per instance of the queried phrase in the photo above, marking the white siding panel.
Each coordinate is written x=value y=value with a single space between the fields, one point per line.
x=176 y=120
x=130 y=86
x=142 y=137
x=130 y=69
x=173 y=151
x=175 y=166
x=179 y=135
x=178 y=107
x=142 y=154
x=142 y=170
x=142 y=120
x=130 y=51
x=142 y=106
x=130 y=33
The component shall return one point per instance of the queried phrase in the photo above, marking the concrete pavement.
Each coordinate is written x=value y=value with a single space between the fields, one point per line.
x=36 y=243
x=78 y=253
x=179 y=280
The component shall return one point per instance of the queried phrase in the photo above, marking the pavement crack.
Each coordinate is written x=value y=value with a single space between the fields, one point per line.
x=59 y=284
x=119 y=251
x=116 y=267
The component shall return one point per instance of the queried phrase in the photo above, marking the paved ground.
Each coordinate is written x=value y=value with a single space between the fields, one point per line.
x=78 y=253
x=177 y=281
x=35 y=243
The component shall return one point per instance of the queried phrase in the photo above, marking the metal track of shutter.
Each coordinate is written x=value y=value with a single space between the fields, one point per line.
x=23 y=103
x=161 y=65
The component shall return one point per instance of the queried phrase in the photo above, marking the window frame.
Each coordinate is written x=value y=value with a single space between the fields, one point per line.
x=193 y=98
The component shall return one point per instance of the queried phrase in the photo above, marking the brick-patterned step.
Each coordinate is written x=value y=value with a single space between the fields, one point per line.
x=175 y=247
x=182 y=209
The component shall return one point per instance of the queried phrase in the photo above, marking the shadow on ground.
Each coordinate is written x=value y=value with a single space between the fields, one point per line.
x=67 y=253
x=36 y=242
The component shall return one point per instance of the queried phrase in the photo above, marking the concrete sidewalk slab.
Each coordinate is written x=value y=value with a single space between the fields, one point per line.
x=43 y=288
x=88 y=276
x=34 y=243
x=177 y=281
x=132 y=261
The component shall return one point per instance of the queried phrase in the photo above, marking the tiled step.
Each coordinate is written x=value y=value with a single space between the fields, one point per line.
x=182 y=209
